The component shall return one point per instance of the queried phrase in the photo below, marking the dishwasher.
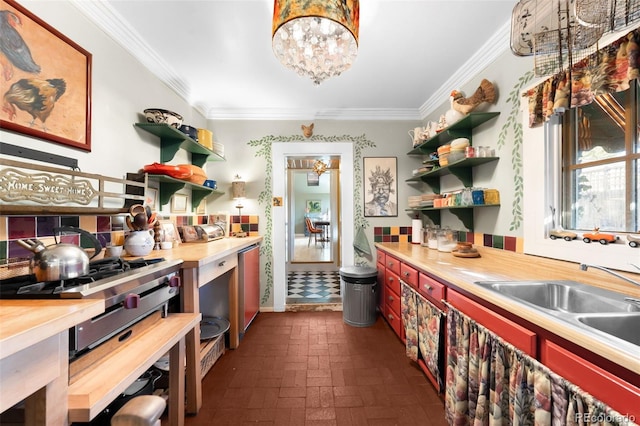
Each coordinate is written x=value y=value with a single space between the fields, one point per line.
x=248 y=285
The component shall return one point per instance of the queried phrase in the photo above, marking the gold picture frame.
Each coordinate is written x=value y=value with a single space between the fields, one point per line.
x=179 y=203
x=56 y=64
x=170 y=231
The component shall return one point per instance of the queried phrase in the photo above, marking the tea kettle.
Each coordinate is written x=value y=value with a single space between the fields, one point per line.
x=60 y=261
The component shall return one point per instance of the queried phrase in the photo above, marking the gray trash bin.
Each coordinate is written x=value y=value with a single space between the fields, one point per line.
x=360 y=295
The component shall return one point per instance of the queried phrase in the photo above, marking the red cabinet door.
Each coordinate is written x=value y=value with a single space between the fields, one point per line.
x=513 y=333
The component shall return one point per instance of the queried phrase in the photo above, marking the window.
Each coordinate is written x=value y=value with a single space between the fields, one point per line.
x=600 y=164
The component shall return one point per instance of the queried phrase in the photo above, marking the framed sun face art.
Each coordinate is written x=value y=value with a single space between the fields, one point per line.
x=46 y=81
x=381 y=186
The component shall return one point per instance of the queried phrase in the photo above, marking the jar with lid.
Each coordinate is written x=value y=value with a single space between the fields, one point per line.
x=447 y=240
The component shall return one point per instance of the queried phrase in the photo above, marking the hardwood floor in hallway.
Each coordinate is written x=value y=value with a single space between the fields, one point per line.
x=310 y=368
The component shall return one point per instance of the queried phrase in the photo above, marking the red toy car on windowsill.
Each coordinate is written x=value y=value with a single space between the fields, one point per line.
x=601 y=237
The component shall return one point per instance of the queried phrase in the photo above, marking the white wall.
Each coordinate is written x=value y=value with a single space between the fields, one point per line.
x=121 y=89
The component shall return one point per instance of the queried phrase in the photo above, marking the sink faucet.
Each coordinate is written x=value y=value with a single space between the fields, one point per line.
x=584 y=267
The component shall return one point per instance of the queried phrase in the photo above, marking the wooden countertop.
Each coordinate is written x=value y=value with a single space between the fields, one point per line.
x=195 y=255
x=24 y=323
x=495 y=265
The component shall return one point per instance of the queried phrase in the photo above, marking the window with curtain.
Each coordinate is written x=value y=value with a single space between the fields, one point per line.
x=600 y=159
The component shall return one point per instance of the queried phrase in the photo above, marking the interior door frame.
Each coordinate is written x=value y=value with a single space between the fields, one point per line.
x=279 y=153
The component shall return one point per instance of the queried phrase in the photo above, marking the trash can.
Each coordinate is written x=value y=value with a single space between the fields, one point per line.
x=360 y=295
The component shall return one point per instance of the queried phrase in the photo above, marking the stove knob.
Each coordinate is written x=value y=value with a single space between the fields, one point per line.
x=175 y=281
x=131 y=301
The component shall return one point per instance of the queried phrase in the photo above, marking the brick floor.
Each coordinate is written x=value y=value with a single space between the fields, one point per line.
x=310 y=368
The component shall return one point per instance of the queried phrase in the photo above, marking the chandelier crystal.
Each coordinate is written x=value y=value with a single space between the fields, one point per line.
x=316 y=38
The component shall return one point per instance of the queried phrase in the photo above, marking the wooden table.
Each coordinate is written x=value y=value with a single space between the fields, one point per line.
x=325 y=226
x=34 y=339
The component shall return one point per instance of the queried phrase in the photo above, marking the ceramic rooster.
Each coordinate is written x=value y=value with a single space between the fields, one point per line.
x=484 y=93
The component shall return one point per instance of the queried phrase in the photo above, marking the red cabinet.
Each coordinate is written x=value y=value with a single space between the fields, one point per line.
x=434 y=291
x=603 y=385
x=513 y=333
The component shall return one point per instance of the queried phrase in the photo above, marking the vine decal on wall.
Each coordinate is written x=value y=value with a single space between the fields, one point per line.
x=513 y=122
x=265 y=197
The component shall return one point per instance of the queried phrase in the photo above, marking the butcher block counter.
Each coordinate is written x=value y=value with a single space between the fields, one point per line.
x=500 y=265
x=34 y=357
x=202 y=263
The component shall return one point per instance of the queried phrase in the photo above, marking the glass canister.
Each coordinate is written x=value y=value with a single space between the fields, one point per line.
x=447 y=240
x=424 y=241
x=432 y=237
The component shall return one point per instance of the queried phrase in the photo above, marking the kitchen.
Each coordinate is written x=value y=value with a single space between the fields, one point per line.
x=123 y=88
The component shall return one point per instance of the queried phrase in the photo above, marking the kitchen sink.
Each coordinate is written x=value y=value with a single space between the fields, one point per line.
x=601 y=313
x=563 y=296
x=622 y=326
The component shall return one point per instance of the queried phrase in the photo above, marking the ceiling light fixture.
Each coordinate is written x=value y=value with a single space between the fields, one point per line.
x=320 y=167
x=316 y=38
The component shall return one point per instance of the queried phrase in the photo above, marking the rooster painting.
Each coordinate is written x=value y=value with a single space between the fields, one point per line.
x=15 y=52
x=484 y=93
x=35 y=96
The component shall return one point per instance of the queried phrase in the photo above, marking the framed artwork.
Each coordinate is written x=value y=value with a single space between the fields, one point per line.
x=380 y=183
x=314 y=206
x=151 y=198
x=313 y=179
x=202 y=207
x=179 y=203
x=170 y=231
x=44 y=61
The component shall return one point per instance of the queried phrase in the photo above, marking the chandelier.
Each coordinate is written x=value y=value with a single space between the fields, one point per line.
x=320 y=167
x=316 y=38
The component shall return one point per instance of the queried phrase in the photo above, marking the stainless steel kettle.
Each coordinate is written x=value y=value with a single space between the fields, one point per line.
x=60 y=261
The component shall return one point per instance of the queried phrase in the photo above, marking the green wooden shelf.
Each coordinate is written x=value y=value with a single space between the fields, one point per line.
x=460 y=129
x=172 y=139
x=460 y=169
x=464 y=213
x=169 y=186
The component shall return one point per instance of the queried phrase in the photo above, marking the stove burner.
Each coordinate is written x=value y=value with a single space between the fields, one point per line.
x=26 y=286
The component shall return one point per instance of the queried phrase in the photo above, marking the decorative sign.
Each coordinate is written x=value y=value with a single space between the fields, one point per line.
x=44 y=188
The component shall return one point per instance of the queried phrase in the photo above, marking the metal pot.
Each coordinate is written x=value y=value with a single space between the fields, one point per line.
x=60 y=261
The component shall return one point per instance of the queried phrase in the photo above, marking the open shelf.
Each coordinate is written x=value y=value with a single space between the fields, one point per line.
x=460 y=129
x=169 y=186
x=460 y=169
x=172 y=139
x=464 y=213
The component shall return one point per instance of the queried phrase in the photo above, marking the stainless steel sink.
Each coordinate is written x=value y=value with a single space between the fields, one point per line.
x=563 y=296
x=603 y=314
x=623 y=326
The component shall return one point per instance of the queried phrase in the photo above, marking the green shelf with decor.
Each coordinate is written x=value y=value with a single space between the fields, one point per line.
x=167 y=186
x=172 y=139
x=461 y=169
x=464 y=213
x=460 y=129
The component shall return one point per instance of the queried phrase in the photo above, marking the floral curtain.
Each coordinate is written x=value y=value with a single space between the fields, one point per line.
x=422 y=323
x=490 y=382
x=610 y=69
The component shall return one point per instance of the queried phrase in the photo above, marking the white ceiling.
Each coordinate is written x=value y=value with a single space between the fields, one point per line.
x=217 y=55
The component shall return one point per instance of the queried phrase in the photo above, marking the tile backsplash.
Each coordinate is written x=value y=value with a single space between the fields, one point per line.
x=107 y=229
x=398 y=234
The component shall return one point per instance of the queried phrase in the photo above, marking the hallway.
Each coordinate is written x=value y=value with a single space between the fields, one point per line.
x=310 y=368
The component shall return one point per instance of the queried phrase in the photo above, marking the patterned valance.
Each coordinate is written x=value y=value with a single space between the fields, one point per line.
x=609 y=69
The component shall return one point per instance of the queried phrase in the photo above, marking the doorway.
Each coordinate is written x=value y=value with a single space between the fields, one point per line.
x=313 y=210
x=282 y=219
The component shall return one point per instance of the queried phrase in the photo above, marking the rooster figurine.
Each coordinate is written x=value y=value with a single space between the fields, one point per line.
x=484 y=93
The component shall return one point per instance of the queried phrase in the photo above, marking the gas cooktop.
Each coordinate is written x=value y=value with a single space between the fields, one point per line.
x=103 y=274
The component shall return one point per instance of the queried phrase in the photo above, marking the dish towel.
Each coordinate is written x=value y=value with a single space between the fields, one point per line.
x=361 y=244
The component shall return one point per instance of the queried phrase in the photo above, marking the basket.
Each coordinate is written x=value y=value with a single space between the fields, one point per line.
x=210 y=353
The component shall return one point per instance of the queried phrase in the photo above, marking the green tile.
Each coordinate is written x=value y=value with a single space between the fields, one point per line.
x=498 y=241
x=3 y=250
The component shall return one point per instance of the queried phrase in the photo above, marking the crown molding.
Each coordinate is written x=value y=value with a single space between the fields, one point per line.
x=353 y=114
x=488 y=53
x=115 y=26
